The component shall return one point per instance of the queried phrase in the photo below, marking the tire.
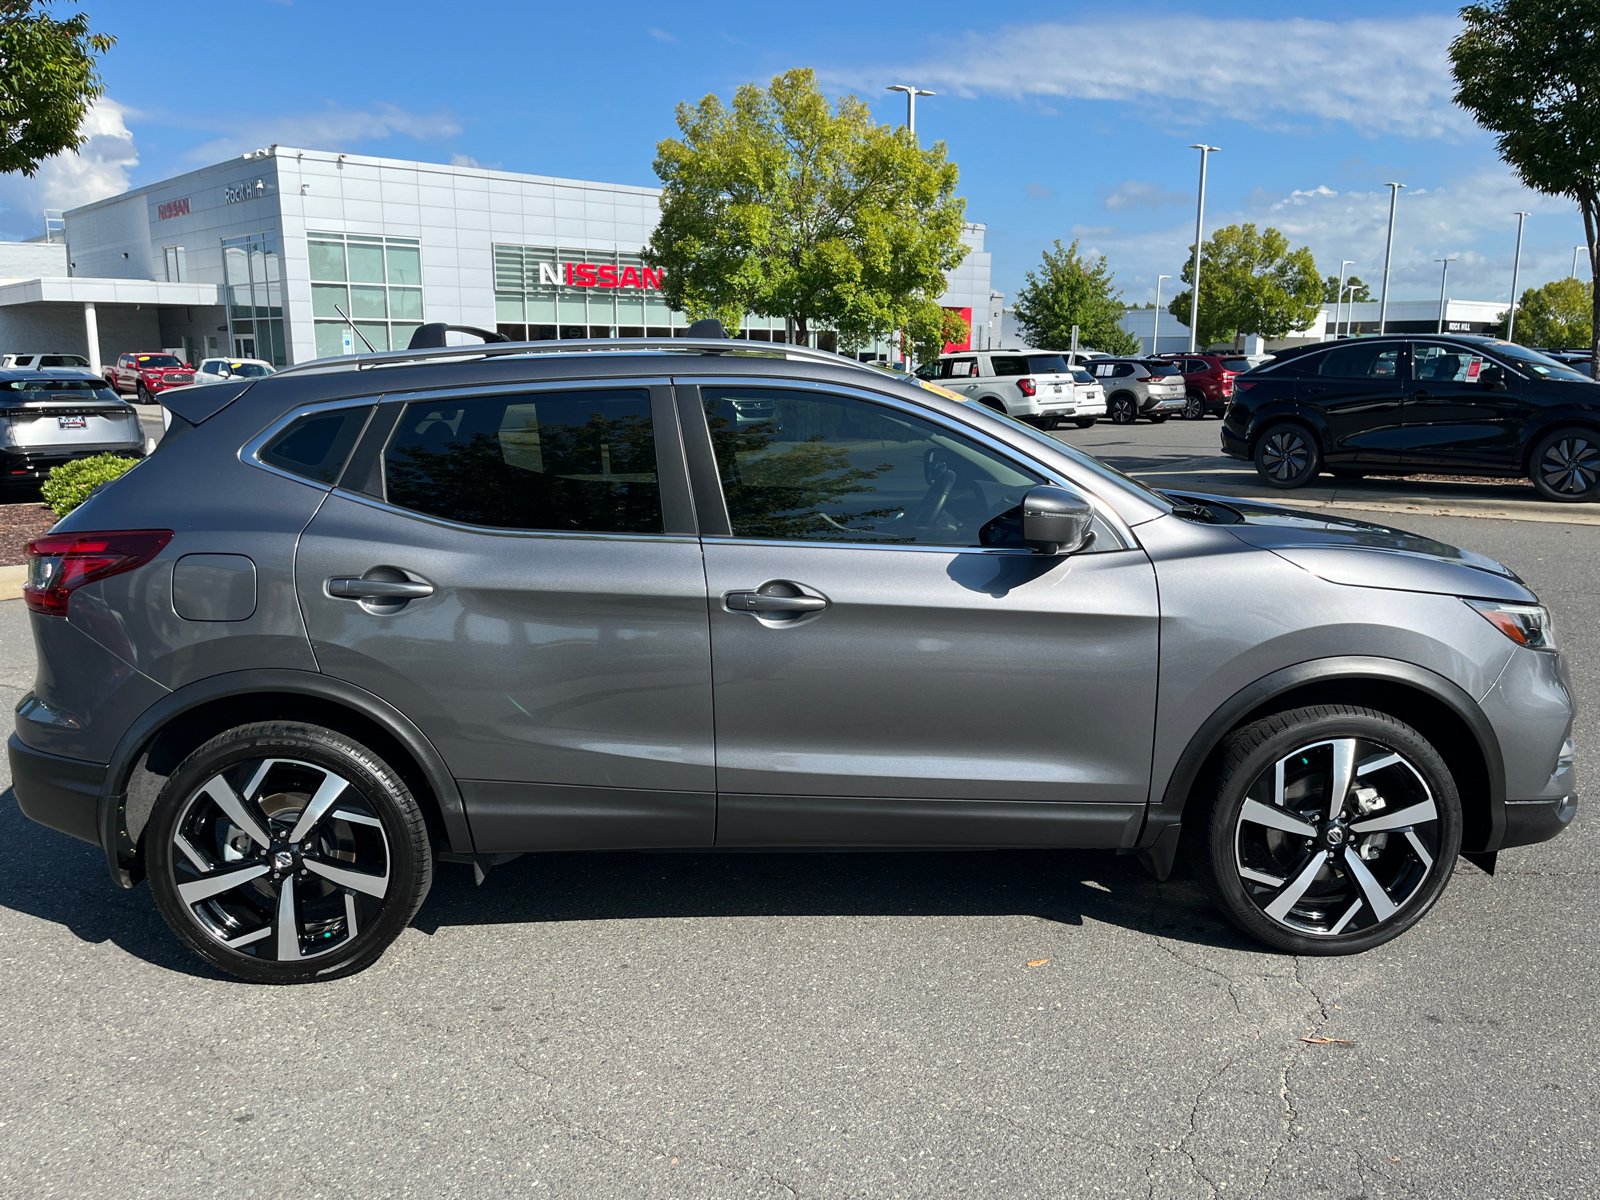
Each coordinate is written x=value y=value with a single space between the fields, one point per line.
x=1566 y=466
x=363 y=860
x=143 y=393
x=1123 y=409
x=1194 y=407
x=1261 y=854
x=1085 y=422
x=1287 y=455
x=1158 y=418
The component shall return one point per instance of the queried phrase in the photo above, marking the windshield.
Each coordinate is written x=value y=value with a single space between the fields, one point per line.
x=29 y=391
x=1079 y=375
x=1160 y=367
x=1531 y=362
x=158 y=360
x=248 y=370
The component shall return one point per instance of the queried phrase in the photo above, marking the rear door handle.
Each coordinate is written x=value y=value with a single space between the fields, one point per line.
x=378 y=589
x=761 y=602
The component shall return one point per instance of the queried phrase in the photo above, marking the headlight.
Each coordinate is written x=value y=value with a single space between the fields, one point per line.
x=1525 y=624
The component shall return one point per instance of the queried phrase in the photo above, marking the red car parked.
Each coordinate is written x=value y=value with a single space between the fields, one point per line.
x=148 y=375
x=1209 y=378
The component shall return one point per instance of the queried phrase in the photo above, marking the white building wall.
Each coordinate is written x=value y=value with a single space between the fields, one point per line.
x=39 y=328
x=31 y=260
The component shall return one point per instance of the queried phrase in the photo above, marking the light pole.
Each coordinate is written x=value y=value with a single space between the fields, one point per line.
x=911 y=101
x=1155 y=331
x=1388 y=254
x=1444 y=274
x=1199 y=222
x=1338 y=297
x=1516 y=270
x=1575 y=250
x=1350 y=311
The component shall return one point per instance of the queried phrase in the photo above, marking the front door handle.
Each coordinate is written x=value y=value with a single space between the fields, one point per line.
x=378 y=589
x=761 y=602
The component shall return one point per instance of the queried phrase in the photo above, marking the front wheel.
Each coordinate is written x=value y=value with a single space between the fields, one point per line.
x=1194 y=408
x=287 y=853
x=143 y=393
x=1287 y=456
x=1122 y=410
x=1566 y=466
x=1333 y=829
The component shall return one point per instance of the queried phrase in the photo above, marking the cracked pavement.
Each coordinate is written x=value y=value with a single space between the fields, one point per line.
x=850 y=1025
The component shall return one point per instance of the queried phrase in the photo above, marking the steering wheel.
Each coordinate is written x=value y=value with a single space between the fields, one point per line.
x=940 y=487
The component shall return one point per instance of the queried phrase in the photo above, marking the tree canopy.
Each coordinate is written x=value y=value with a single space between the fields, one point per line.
x=1356 y=291
x=1251 y=282
x=47 y=82
x=1528 y=72
x=1559 y=314
x=785 y=205
x=1072 y=289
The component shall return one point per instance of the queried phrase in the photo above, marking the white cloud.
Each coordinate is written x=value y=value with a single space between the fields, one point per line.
x=661 y=35
x=1376 y=76
x=332 y=128
x=1134 y=194
x=99 y=168
x=1038 y=191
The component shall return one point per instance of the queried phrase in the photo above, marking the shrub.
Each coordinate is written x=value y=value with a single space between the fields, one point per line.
x=70 y=484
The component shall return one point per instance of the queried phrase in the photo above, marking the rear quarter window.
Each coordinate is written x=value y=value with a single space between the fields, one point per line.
x=317 y=446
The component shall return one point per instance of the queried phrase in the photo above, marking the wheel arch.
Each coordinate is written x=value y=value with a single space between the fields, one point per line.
x=182 y=721
x=1585 y=421
x=1289 y=416
x=994 y=402
x=1433 y=705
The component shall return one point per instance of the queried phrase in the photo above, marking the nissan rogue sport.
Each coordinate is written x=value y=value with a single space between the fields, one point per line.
x=451 y=604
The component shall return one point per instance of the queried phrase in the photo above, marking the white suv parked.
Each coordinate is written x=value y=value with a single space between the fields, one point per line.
x=1140 y=387
x=1036 y=385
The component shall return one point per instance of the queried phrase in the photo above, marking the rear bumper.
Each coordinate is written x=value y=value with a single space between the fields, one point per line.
x=1234 y=446
x=1529 y=822
x=1160 y=404
x=61 y=793
x=19 y=464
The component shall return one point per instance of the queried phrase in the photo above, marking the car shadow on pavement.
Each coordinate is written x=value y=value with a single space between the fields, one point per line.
x=56 y=878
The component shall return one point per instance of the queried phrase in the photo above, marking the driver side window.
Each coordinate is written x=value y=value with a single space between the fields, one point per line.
x=808 y=466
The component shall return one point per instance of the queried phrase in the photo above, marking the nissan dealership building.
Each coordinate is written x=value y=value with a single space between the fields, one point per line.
x=265 y=256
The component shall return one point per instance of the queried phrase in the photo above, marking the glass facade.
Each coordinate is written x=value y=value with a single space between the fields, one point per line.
x=253 y=275
x=375 y=281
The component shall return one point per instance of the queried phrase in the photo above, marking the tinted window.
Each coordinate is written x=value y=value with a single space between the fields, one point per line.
x=1536 y=365
x=32 y=391
x=820 y=468
x=1079 y=375
x=1167 y=368
x=1009 y=364
x=578 y=461
x=1122 y=370
x=316 y=446
x=1444 y=364
x=1236 y=364
x=1046 y=364
x=158 y=360
x=248 y=370
x=1377 y=361
x=63 y=360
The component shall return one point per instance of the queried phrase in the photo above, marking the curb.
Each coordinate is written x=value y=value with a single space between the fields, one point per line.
x=11 y=581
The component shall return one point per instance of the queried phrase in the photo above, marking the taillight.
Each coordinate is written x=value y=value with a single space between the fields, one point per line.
x=59 y=564
x=1027 y=387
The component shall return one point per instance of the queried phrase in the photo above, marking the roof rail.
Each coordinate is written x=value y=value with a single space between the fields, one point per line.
x=706 y=346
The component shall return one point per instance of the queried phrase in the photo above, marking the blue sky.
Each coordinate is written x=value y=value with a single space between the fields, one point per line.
x=1067 y=119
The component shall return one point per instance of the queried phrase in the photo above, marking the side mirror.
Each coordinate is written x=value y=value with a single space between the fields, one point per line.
x=1056 y=521
x=1493 y=379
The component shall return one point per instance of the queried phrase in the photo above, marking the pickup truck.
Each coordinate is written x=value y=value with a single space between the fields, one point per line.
x=148 y=375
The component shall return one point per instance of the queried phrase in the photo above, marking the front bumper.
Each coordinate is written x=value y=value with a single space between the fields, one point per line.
x=61 y=793
x=1529 y=822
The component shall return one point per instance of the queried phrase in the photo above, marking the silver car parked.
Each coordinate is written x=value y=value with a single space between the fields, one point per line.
x=452 y=604
x=53 y=416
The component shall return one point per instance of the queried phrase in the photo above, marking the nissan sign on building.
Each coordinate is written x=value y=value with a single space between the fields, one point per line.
x=289 y=255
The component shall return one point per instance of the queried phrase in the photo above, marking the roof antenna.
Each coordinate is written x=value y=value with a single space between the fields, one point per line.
x=708 y=328
x=354 y=330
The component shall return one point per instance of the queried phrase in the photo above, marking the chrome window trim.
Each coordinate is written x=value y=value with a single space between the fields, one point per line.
x=1104 y=509
x=1000 y=551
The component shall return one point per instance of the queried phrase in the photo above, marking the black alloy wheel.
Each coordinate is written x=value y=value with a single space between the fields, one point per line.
x=287 y=853
x=1122 y=409
x=1287 y=456
x=1194 y=407
x=1566 y=466
x=1334 y=829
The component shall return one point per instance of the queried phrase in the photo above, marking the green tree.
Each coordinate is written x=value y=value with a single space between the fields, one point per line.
x=1561 y=313
x=1527 y=70
x=1072 y=289
x=47 y=82
x=1330 y=290
x=1251 y=282
x=784 y=205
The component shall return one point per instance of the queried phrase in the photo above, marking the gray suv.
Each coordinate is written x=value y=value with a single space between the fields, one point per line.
x=455 y=604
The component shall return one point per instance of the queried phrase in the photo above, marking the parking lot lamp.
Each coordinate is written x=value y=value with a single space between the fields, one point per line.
x=1388 y=254
x=1349 y=310
x=1575 y=250
x=911 y=101
x=1444 y=274
x=1516 y=271
x=1155 y=331
x=1199 y=222
x=1338 y=298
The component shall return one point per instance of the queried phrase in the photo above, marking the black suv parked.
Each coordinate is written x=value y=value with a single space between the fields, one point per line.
x=1396 y=405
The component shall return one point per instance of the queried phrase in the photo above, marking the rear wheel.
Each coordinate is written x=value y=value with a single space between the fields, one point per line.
x=287 y=853
x=1287 y=456
x=1566 y=466
x=1333 y=829
x=1122 y=409
x=991 y=402
x=1194 y=408
x=1086 y=422
x=1158 y=418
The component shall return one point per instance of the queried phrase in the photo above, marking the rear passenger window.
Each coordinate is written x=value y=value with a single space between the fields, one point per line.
x=1008 y=364
x=960 y=368
x=1360 y=362
x=561 y=461
x=316 y=447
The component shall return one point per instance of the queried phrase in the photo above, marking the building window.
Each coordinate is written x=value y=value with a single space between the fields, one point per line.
x=177 y=268
x=375 y=281
x=252 y=271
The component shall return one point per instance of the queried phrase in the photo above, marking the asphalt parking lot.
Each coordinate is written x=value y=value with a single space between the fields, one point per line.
x=1039 y=1024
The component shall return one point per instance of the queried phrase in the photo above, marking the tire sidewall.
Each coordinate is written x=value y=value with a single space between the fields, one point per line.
x=1122 y=410
x=1537 y=475
x=1194 y=408
x=1303 y=728
x=410 y=872
x=1313 y=466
